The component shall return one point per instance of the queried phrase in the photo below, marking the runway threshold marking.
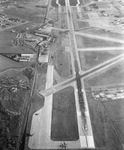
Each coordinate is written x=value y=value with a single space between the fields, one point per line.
x=83 y=142
x=90 y=141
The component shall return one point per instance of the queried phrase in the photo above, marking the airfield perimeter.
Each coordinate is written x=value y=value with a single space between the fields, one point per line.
x=66 y=58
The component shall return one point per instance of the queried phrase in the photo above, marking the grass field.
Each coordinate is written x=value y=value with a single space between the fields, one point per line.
x=53 y=14
x=53 y=3
x=64 y=24
x=60 y=19
x=60 y=58
x=90 y=59
x=75 y=14
x=64 y=120
x=62 y=63
x=85 y=42
x=84 y=15
x=105 y=135
x=103 y=33
x=83 y=2
x=113 y=75
x=6 y=63
x=62 y=2
x=22 y=28
x=41 y=78
x=27 y=11
x=119 y=125
x=81 y=25
x=73 y=2
x=115 y=109
x=6 y=42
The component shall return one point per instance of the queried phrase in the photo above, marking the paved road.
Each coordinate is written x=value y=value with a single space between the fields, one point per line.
x=102 y=49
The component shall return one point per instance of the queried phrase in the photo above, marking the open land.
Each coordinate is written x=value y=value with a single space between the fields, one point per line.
x=104 y=78
x=6 y=63
x=103 y=129
x=15 y=88
x=85 y=42
x=64 y=120
x=41 y=77
x=90 y=59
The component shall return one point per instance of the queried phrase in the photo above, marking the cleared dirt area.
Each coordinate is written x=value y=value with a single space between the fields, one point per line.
x=111 y=76
x=90 y=59
x=64 y=120
x=105 y=135
x=85 y=42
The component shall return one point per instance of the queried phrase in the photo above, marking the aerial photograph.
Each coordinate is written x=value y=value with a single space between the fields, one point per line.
x=61 y=74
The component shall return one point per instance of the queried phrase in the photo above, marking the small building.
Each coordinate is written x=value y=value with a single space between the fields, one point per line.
x=28 y=57
x=43 y=57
